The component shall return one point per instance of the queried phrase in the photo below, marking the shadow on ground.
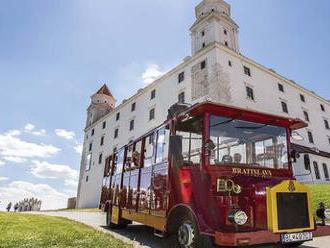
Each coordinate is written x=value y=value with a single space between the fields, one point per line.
x=144 y=235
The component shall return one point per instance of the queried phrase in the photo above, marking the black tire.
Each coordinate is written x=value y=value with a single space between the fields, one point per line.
x=188 y=236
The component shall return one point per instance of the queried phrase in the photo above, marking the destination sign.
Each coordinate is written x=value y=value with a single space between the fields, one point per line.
x=252 y=172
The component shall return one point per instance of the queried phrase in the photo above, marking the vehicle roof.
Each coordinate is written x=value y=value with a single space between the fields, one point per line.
x=244 y=114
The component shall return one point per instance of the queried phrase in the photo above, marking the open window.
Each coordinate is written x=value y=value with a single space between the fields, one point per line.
x=191 y=131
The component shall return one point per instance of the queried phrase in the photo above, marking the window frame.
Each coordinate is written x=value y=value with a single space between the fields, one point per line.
x=247 y=71
x=133 y=106
x=285 y=108
x=316 y=170
x=302 y=98
x=280 y=87
x=310 y=137
x=153 y=94
x=180 y=97
x=181 y=77
x=131 y=124
x=249 y=93
x=152 y=111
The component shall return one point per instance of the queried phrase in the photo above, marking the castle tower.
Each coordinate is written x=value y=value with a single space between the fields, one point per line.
x=102 y=102
x=214 y=24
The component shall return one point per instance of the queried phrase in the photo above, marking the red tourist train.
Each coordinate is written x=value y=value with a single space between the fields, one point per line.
x=211 y=174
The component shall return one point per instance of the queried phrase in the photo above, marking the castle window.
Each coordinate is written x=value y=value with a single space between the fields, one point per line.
x=90 y=146
x=86 y=179
x=310 y=137
x=229 y=63
x=181 y=77
x=225 y=31
x=118 y=116
x=131 y=125
x=152 y=114
x=203 y=33
x=249 y=93
x=181 y=97
x=306 y=116
x=104 y=124
x=322 y=107
x=326 y=171
x=133 y=106
x=326 y=124
x=226 y=43
x=281 y=87
x=102 y=141
x=247 y=71
x=316 y=170
x=153 y=94
x=203 y=44
x=203 y=65
x=100 y=158
x=302 y=98
x=284 y=107
x=93 y=131
x=116 y=133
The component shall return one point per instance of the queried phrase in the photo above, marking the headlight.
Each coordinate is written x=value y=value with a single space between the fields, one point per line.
x=238 y=217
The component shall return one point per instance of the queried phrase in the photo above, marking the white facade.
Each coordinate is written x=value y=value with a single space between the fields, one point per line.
x=224 y=80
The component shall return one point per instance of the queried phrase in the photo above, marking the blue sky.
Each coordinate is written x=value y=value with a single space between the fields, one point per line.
x=55 y=54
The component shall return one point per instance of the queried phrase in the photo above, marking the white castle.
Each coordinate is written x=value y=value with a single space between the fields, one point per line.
x=215 y=71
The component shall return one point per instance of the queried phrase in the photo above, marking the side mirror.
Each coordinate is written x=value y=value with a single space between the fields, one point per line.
x=176 y=150
x=296 y=136
x=294 y=155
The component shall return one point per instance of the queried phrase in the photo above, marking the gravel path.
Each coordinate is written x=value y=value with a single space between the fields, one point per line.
x=142 y=236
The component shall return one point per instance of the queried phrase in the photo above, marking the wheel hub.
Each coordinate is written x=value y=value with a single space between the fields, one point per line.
x=186 y=234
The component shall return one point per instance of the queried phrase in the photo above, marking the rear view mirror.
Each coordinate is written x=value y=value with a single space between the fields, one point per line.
x=176 y=150
x=296 y=136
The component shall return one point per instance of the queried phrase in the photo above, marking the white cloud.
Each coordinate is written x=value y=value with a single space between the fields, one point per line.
x=13 y=132
x=15 y=159
x=152 y=73
x=2 y=163
x=12 y=146
x=43 y=169
x=30 y=128
x=64 y=134
x=3 y=179
x=78 y=148
x=18 y=190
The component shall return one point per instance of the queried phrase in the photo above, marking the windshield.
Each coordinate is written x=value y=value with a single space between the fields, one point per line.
x=246 y=143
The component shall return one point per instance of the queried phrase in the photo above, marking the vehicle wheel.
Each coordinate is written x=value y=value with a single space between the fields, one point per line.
x=293 y=244
x=187 y=235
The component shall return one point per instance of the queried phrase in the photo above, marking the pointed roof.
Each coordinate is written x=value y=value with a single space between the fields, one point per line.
x=104 y=90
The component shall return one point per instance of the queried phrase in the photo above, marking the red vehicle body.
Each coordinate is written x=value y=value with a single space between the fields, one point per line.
x=211 y=174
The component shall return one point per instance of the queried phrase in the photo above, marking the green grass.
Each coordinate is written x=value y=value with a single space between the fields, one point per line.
x=320 y=193
x=34 y=231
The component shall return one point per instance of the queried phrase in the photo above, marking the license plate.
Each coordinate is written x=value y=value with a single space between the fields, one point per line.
x=296 y=237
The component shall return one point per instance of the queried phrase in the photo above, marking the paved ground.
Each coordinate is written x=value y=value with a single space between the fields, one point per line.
x=142 y=236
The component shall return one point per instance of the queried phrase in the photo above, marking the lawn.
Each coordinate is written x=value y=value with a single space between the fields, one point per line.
x=25 y=230
x=320 y=193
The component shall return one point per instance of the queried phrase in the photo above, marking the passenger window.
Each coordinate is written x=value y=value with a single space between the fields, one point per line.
x=162 y=145
x=149 y=150
x=191 y=132
x=136 y=156
x=118 y=164
x=129 y=160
